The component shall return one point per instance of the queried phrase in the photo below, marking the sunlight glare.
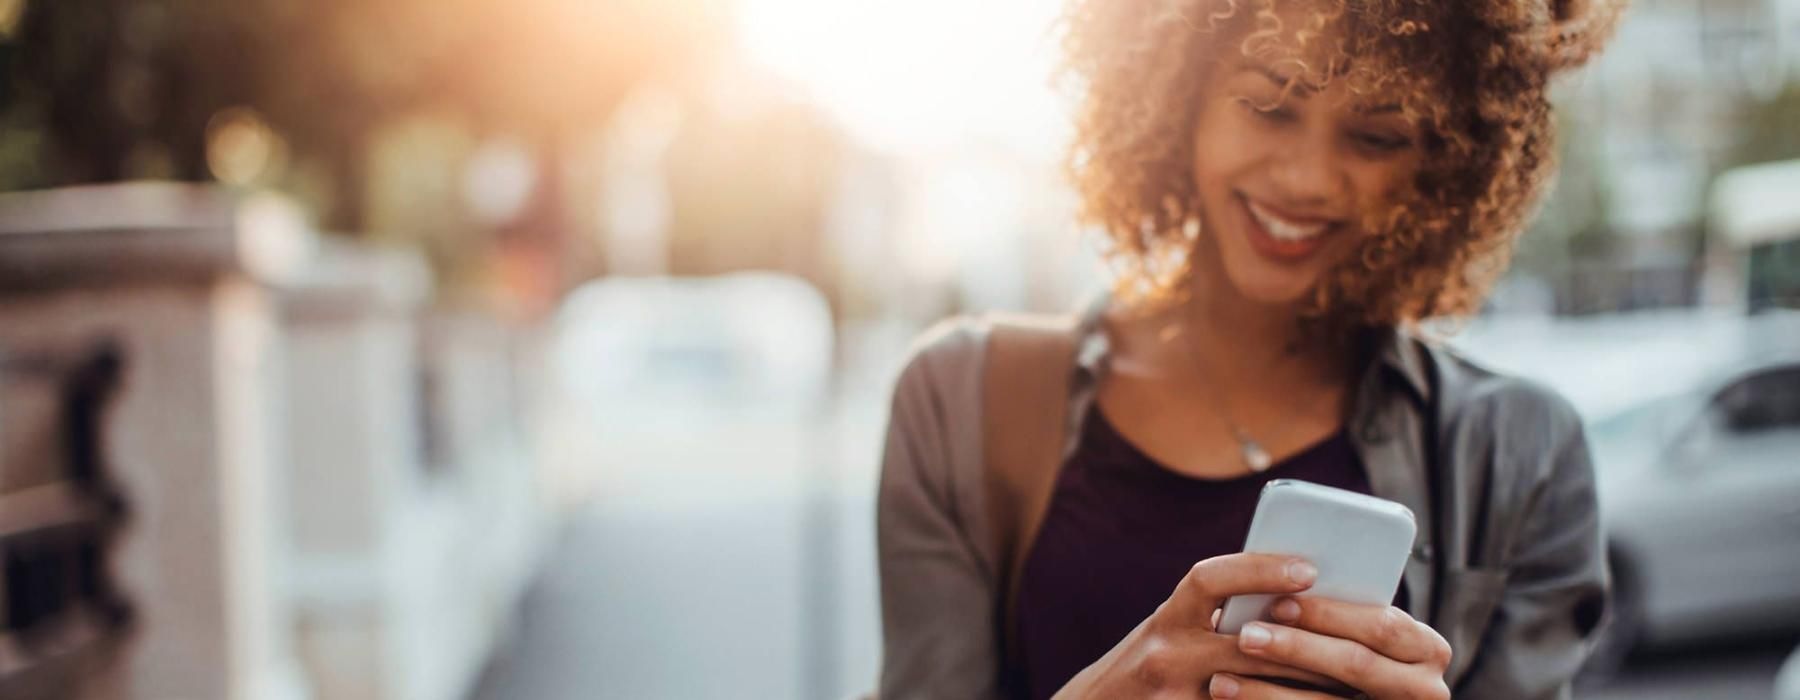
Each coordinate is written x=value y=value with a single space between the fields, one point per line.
x=918 y=74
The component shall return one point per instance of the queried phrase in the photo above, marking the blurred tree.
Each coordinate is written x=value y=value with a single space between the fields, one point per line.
x=104 y=90
x=553 y=71
x=1771 y=133
x=1770 y=129
x=1574 y=213
x=83 y=88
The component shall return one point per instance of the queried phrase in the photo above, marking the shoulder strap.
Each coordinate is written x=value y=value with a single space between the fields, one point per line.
x=1025 y=388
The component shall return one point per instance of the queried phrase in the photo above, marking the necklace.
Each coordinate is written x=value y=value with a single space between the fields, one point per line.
x=1254 y=455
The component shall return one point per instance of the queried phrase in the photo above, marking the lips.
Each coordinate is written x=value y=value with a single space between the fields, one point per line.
x=1281 y=237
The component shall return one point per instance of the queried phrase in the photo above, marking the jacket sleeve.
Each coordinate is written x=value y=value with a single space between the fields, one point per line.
x=1556 y=587
x=937 y=601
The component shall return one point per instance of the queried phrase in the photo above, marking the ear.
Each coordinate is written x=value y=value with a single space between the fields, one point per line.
x=1579 y=29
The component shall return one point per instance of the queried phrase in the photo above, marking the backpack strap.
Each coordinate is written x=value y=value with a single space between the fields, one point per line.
x=1025 y=391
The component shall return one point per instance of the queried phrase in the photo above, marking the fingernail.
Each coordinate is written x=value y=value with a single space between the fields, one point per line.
x=1398 y=615
x=1301 y=572
x=1286 y=610
x=1255 y=636
x=1223 y=686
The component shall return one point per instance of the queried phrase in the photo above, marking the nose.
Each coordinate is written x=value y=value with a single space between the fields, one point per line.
x=1308 y=173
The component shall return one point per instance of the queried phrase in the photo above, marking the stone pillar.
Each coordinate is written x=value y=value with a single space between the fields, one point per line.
x=414 y=521
x=354 y=407
x=177 y=278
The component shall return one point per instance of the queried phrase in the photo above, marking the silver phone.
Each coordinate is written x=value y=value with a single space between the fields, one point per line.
x=1358 y=542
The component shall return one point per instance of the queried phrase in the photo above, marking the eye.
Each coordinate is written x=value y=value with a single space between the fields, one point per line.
x=1380 y=142
x=1279 y=112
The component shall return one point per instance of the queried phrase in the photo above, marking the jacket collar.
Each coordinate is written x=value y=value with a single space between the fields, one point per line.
x=1398 y=352
x=1395 y=350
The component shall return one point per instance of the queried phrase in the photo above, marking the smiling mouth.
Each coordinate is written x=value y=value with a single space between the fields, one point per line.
x=1286 y=228
x=1285 y=238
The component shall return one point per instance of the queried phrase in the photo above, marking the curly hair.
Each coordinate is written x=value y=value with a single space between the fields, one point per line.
x=1472 y=73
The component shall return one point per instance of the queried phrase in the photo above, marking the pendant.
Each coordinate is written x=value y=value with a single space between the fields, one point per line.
x=1255 y=456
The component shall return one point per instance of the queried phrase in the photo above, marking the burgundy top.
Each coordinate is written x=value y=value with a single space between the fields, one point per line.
x=1121 y=531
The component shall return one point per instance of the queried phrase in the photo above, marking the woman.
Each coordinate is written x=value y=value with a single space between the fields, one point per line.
x=1289 y=187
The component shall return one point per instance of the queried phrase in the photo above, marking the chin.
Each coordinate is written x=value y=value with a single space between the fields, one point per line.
x=1271 y=288
x=1262 y=281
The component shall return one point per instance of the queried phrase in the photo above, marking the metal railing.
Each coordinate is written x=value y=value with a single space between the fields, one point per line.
x=60 y=613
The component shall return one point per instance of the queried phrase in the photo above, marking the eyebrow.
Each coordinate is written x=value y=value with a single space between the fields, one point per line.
x=1280 y=81
x=1305 y=90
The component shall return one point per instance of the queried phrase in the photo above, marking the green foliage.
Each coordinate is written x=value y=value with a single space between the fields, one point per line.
x=103 y=90
x=1770 y=128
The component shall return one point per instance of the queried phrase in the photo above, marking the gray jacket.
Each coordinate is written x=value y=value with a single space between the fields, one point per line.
x=1508 y=563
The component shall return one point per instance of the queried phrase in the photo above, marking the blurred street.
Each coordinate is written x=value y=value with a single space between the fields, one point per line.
x=731 y=575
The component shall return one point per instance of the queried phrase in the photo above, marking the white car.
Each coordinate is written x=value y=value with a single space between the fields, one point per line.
x=731 y=371
x=1787 y=680
x=1694 y=421
x=1700 y=497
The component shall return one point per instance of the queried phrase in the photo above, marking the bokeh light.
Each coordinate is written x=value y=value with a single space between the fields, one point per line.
x=240 y=146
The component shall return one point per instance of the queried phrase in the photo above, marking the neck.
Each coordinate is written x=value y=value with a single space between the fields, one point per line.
x=1219 y=319
x=1241 y=338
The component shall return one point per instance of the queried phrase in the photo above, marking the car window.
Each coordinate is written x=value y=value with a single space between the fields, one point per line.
x=1753 y=421
x=1765 y=401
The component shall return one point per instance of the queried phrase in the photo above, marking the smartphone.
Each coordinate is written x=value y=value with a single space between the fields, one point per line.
x=1359 y=543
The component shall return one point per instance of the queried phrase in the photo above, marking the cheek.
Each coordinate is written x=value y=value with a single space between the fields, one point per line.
x=1223 y=146
x=1201 y=157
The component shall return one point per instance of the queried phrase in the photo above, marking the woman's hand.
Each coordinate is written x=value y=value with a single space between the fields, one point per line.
x=1175 y=652
x=1378 y=650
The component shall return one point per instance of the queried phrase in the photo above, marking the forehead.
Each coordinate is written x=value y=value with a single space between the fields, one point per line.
x=1317 y=42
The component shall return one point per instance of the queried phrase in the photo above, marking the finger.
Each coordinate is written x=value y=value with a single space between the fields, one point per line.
x=1210 y=582
x=1223 y=649
x=1194 y=654
x=1343 y=659
x=1225 y=686
x=1385 y=629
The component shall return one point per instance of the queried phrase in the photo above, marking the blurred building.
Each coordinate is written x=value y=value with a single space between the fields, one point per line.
x=1663 y=111
x=234 y=464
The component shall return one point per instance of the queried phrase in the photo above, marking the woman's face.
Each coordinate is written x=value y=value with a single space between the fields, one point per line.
x=1284 y=182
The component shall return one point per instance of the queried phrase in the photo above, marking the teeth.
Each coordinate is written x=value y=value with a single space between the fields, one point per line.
x=1281 y=228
